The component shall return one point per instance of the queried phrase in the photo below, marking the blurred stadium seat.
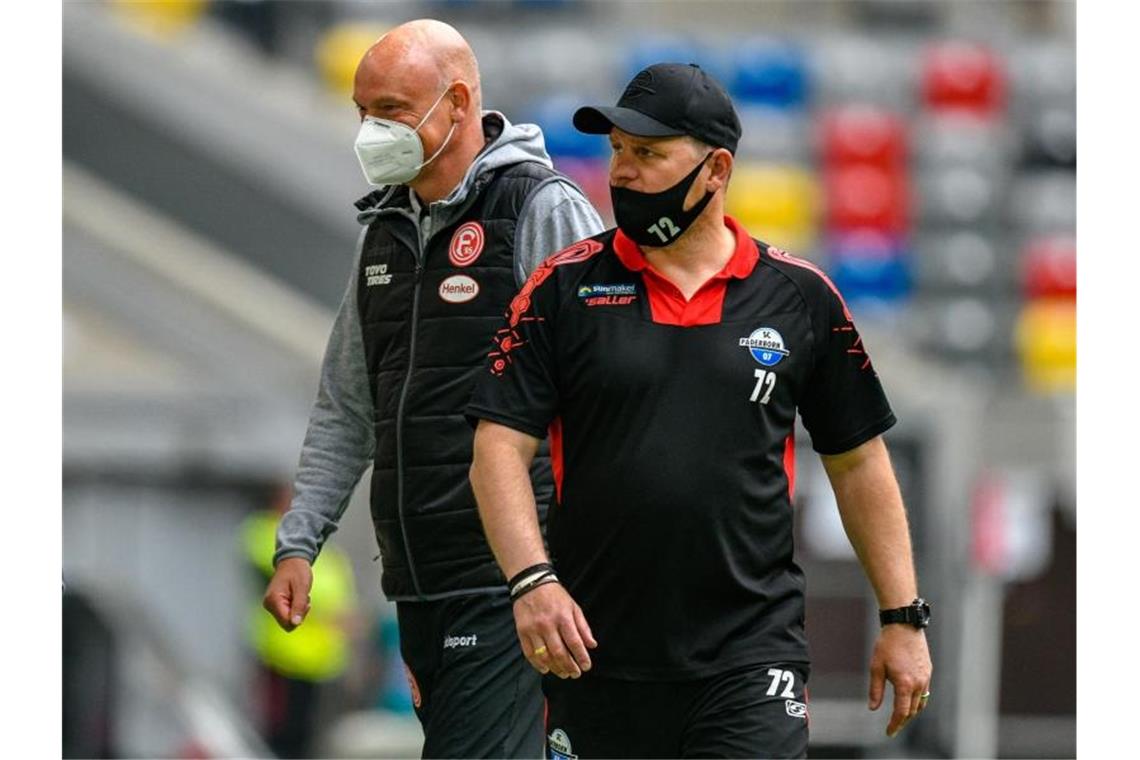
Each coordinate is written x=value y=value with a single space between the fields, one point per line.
x=1046 y=341
x=1049 y=267
x=770 y=73
x=865 y=70
x=863 y=196
x=652 y=49
x=339 y=50
x=593 y=176
x=862 y=134
x=161 y=17
x=960 y=195
x=774 y=135
x=962 y=138
x=774 y=197
x=868 y=265
x=1044 y=202
x=554 y=114
x=959 y=261
x=963 y=76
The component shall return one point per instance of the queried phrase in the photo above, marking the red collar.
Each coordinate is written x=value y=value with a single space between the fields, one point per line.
x=743 y=260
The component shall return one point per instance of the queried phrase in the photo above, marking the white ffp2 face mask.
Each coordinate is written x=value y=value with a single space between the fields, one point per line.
x=392 y=153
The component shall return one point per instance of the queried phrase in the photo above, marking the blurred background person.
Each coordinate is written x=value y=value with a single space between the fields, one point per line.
x=300 y=668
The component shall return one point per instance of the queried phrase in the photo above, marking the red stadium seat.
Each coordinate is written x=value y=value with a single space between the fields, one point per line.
x=963 y=76
x=861 y=197
x=864 y=135
x=593 y=176
x=1049 y=268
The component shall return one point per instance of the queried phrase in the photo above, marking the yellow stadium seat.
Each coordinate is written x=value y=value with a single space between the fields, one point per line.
x=776 y=201
x=161 y=17
x=1046 y=341
x=339 y=51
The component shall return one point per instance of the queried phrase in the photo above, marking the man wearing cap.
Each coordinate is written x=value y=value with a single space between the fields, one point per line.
x=668 y=358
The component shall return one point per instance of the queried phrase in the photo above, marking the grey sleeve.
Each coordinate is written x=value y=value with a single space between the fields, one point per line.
x=339 y=442
x=556 y=215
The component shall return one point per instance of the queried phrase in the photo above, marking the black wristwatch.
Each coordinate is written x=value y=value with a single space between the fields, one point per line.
x=917 y=613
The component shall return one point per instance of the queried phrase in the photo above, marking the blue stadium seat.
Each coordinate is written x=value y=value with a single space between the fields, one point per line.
x=554 y=115
x=770 y=73
x=868 y=266
x=666 y=49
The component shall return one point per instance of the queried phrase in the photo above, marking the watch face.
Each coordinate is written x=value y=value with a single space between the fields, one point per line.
x=922 y=614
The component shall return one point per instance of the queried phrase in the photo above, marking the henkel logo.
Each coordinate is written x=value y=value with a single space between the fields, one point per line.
x=458 y=288
x=466 y=244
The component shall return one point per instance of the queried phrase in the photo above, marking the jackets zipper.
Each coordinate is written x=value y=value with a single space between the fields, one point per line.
x=414 y=327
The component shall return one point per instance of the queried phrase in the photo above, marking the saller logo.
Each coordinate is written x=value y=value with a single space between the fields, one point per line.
x=559 y=745
x=458 y=288
x=619 y=294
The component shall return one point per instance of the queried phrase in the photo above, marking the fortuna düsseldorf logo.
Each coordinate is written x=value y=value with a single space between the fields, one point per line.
x=466 y=244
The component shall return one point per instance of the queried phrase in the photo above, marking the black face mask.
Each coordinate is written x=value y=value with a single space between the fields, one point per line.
x=658 y=219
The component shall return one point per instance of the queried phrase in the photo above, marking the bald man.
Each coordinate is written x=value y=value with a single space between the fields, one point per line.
x=467 y=205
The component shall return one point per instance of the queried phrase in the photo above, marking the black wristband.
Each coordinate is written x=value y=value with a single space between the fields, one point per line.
x=542 y=581
x=524 y=573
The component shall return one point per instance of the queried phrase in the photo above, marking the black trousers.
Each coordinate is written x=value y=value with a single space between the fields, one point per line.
x=757 y=711
x=473 y=691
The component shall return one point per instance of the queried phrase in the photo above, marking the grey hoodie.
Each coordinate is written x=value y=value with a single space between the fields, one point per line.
x=339 y=444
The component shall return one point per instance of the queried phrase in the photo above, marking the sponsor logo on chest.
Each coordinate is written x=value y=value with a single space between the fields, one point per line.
x=458 y=288
x=376 y=274
x=608 y=294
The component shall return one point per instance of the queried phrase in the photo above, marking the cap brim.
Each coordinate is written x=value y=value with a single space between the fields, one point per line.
x=599 y=120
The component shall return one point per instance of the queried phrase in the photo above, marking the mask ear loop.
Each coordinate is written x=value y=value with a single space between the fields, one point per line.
x=446 y=140
x=440 y=149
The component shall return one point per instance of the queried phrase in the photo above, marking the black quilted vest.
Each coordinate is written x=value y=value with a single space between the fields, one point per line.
x=428 y=318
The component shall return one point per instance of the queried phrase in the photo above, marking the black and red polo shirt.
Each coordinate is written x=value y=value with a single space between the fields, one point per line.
x=671 y=426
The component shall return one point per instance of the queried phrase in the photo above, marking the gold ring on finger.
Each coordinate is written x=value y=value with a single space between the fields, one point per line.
x=540 y=651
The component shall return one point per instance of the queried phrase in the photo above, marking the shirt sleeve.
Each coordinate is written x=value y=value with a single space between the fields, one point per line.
x=518 y=386
x=557 y=215
x=843 y=403
x=339 y=442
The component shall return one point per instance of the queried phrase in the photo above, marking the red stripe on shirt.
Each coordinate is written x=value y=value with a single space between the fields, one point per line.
x=790 y=463
x=781 y=255
x=556 y=461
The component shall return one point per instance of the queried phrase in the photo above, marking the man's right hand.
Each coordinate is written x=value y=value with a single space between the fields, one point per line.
x=287 y=596
x=553 y=632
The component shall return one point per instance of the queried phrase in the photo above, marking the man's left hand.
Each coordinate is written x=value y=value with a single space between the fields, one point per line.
x=901 y=657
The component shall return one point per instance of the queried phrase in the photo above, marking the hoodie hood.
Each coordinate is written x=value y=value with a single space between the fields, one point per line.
x=507 y=144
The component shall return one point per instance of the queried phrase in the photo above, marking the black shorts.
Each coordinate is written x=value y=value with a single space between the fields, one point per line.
x=757 y=711
x=474 y=692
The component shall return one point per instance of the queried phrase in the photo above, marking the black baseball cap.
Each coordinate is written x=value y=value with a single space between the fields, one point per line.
x=668 y=100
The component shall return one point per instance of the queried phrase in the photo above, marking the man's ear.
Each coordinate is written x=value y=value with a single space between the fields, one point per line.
x=720 y=163
x=460 y=100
